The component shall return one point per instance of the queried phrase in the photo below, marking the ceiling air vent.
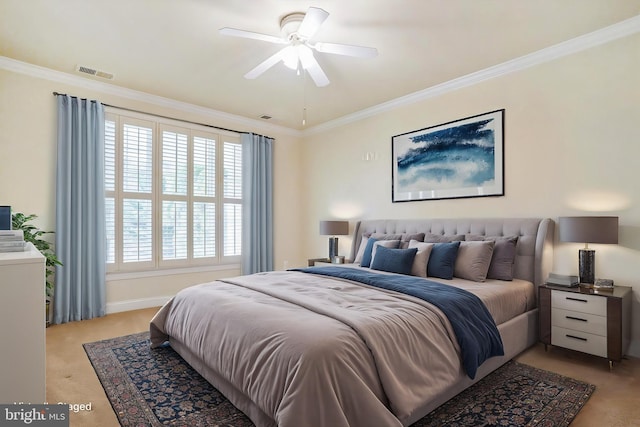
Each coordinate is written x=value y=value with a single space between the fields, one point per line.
x=94 y=72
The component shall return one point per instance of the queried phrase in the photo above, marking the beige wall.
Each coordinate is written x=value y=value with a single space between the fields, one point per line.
x=572 y=144
x=27 y=176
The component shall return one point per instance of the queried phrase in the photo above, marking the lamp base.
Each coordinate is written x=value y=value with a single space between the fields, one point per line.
x=333 y=247
x=587 y=263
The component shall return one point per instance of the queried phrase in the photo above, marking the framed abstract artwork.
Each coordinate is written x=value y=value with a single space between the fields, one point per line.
x=462 y=158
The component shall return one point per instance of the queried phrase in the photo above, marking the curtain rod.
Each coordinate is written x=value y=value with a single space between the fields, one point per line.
x=164 y=117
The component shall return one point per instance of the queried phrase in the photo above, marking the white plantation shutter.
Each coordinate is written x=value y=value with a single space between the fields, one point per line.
x=137 y=159
x=174 y=230
x=110 y=187
x=204 y=230
x=136 y=231
x=174 y=163
x=232 y=187
x=175 y=217
x=232 y=164
x=173 y=194
x=110 y=217
x=204 y=167
x=109 y=155
x=232 y=229
x=137 y=239
x=204 y=193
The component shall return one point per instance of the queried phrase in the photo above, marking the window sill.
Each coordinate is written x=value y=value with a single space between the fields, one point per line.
x=112 y=277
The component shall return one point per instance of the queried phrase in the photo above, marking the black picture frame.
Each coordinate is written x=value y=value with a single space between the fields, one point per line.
x=459 y=159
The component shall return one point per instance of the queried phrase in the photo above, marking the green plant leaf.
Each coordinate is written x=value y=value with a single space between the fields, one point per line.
x=32 y=234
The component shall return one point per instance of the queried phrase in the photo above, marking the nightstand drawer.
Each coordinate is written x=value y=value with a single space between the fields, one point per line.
x=580 y=341
x=577 y=321
x=579 y=302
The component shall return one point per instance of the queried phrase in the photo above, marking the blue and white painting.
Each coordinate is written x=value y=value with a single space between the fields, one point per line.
x=457 y=159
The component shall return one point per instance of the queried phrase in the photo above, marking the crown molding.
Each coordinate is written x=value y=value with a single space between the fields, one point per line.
x=596 y=38
x=37 y=71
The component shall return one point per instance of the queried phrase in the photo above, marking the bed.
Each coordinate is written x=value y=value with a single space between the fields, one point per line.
x=357 y=345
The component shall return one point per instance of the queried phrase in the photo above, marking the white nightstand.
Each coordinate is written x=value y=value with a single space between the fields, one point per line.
x=594 y=322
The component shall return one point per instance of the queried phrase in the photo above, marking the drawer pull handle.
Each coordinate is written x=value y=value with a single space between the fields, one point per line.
x=577 y=338
x=576 y=318
x=576 y=299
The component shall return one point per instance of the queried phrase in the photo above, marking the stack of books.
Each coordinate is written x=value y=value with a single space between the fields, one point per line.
x=562 y=280
x=11 y=241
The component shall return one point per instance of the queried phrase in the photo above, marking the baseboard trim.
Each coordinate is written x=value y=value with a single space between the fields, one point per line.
x=136 y=304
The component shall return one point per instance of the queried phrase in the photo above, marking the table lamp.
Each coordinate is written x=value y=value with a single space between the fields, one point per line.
x=333 y=229
x=588 y=229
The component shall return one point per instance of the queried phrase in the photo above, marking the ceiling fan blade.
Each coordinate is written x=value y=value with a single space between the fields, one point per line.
x=250 y=35
x=266 y=64
x=312 y=21
x=310 y=64
x=346 y=49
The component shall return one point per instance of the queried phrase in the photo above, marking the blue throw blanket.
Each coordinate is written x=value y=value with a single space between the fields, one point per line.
x=472 y=323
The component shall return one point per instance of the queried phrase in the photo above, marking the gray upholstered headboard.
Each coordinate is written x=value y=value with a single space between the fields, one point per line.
x=534 y=253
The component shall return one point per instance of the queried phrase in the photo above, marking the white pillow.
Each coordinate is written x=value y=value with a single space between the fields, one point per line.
x=363 y=245
x=421 y=260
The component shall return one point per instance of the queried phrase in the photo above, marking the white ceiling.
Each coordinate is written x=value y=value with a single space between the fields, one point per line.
x=172 y=48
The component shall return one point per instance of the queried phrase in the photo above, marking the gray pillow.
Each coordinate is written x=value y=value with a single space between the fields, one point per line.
x=421 y=259
x=474 y=258
x=503 y=258
x=502 y=262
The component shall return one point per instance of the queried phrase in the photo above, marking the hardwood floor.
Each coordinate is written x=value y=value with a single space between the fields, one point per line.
x=616 y=400
x=71 y=378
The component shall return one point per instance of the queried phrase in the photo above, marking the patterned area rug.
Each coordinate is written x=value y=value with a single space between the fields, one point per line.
x=157 y=388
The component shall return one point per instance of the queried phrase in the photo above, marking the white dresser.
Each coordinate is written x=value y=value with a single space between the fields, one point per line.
x=22 y=327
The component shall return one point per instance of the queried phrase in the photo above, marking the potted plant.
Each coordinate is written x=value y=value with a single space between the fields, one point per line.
x=20 y=221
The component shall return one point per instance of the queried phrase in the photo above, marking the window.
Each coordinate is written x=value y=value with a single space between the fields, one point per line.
x=173 y=194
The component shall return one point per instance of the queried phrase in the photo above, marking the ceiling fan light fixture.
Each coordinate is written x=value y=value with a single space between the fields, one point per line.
x=298 y=54
x=290 y=24
x=290 y=57
x=306 y=56
x=297 y=31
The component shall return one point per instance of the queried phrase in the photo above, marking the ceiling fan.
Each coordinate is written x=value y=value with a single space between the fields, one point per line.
x=297 y=31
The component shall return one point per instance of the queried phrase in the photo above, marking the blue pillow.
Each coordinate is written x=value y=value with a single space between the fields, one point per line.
x=443 y=260
x=394 y=260
x=366 y=255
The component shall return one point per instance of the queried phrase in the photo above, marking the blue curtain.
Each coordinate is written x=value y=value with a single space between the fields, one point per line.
x=257 y=209
x=79 y=291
